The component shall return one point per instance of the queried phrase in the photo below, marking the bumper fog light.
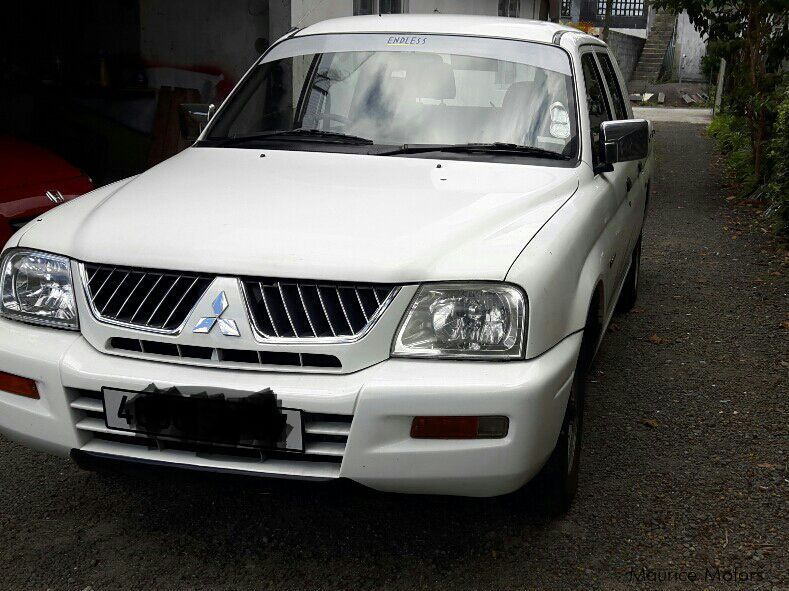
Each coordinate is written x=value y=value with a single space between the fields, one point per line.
x=17 y=385
x=460 y=427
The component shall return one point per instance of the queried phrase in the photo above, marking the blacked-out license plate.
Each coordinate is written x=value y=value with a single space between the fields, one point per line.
x=249 y=421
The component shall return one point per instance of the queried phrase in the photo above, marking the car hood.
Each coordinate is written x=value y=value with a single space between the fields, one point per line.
x=312 y=215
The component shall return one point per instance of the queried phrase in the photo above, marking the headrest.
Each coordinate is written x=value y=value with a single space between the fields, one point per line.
x=426 y=74
x=519 y=91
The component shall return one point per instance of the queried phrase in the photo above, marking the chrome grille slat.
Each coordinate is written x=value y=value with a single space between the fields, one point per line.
x=149 y=300
x=287 y=311
x=325 y=313
x=306 y=311
x=314 y=310
x=114 y=293
x=180 y=300
x=104 y=283
x=344 y=311
x=361 y=305
x=159 y=305
x=145 y=299
x=268 y=309
x=131 y=293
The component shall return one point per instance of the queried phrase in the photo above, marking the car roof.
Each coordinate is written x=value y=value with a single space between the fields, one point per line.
x=446 y=24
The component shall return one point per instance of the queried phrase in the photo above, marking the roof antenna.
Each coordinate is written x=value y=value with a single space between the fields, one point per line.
x=308 y=12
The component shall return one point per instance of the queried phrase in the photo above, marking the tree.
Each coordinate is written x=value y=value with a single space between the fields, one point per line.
x=752 y=34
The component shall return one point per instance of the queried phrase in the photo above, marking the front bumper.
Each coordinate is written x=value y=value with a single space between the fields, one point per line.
x=382 y=400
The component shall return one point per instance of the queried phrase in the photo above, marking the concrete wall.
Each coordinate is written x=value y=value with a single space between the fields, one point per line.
x=308 y=12
x=690 y=48
x=215 y=38
x=627 y=49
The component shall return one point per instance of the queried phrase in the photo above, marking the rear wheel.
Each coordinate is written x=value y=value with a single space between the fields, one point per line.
x=629 y=294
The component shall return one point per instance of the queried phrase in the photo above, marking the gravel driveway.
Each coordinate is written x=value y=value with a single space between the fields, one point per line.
x=683 y=471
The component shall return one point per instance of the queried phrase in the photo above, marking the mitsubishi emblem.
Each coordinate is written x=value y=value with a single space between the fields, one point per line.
x=228 y=327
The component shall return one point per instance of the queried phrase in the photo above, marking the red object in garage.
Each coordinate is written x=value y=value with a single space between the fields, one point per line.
x=33 y=180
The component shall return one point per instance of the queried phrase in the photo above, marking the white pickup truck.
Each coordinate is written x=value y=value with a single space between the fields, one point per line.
x=390 y=257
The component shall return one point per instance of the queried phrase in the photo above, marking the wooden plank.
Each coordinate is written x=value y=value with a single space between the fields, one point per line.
x=167 y=140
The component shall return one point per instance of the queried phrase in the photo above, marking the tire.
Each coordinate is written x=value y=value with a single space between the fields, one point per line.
x=629 y=294
x=557 y=483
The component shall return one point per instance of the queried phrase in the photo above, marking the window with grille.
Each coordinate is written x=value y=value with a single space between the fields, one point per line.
x=380 y=6
x=621 y=7
x=510 y=8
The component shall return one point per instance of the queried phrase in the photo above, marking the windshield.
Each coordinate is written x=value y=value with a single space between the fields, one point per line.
x=405 y=91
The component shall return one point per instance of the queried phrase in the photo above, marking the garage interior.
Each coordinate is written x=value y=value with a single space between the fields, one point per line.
x=98 y=81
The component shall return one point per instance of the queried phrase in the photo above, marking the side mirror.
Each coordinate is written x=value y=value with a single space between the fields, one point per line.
x=193 y=117
x=623 y=141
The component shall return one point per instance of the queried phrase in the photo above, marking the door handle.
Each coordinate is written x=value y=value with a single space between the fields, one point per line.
x=629 y=184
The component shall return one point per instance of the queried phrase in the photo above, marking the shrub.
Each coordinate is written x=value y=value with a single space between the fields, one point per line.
x=733 y=138
x=732 y=135
x=777 y=187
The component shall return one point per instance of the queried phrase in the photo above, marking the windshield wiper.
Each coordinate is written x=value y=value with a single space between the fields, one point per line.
x=334 y=137
x=490 y=148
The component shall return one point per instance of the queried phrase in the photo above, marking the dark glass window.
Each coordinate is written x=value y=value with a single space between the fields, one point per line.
x=613 y=85
x=596 y=102
x=363 y=6
x=510 y=8
x=382 y=6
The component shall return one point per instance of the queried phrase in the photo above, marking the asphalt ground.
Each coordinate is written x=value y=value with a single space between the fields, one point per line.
x=683 y=475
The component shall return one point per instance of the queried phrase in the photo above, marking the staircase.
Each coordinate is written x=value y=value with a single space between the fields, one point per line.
x=649 y=64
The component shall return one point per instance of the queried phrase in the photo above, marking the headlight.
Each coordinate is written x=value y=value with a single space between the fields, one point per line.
x=37 y=287
x=468 y=321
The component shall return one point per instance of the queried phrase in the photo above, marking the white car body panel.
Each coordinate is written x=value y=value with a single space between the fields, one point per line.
x=562 y=234
x=230 y=211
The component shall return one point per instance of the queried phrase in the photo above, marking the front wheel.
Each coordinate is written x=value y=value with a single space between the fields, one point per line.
x=629 y=294
x=557 y=483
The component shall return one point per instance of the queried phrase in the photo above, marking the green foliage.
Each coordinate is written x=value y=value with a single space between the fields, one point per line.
x=777 y=188
x=733 y=138
x=732 y=135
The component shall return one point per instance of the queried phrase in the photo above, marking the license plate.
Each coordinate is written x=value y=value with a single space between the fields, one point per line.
x=253 y=421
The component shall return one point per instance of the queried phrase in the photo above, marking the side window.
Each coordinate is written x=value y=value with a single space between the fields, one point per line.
x=613 y=85
x=596 y=102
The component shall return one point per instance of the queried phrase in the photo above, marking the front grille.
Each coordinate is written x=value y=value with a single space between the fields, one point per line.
x=304 y=309
x=252 y=358
x=325 y=436
x=158 y=301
